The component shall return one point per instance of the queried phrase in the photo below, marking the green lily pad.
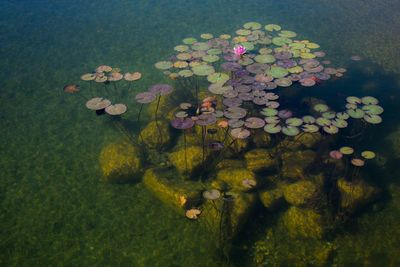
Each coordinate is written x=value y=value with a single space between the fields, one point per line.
x=244 y=61
x=308 y=119
x=346 y=150
x=329 y=114
x=331 y=129
x=214 y=51
x=369 y=100
x=264 y=40
x=373 y=119
x=189 y=40
x=206 y=36
x=243 y=32
x=323 y=121
x=342 y=115
x=163 y=65
x=218 y=77
x=294 y=121
x=297 y=45
x=287 y=34
x=181 y=48
x=372 y=109
x=265 y=50
x=252 y=25
x=277 y=72
x=353 y=100
x=281 y=41
x=368 y=154
x=264 y=58
x=185 y=73
x=351 y=106
x=210 y=58
x=339 y=123
x=272 y=128
x=321 y=108
x=290 y=130
x=310 y=128
x=307 y=55
x=273 y=27
x=269 y=112
x=183 y=56
x=356 y=113
x=248 y=45
x=200 y=46
x=203 y=70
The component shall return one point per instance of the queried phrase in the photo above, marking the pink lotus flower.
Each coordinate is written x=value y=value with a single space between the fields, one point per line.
x=239 y=50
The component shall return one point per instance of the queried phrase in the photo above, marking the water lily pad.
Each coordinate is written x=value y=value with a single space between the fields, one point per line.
x=252 y=25
x=200 y=46
x=264 y=58
x=214 y=51
x=189 y=40
x=351 y=106
x=283 y=82
x=310 y=128
x=219 y=89
x=321 y=108
x=287 y=34
x=281 y=41
x=277 y=72
x=357 y=162
x=207 y=36
x=254 y=123
x=312 y=45
x=331 y=129
x=181 y=48
x=145 y=97
x=164 y=65
x=272 y=120
x=243 y=32
x=307 y=55
x=244 y=61
x=295 y=69
x=235 y=113
x=203 y=70
x=88 y=77
x=339 y=123
x=353 y=100
x=308 y=119
x=269 y=112
x=372 y=109
x=356 y=113
x=294 y=121
x=235 y=123
x=116 y=109
x=210 y=58
x=185 y=73
x=225 y=36
x=342 y=115
x=240 y=133
x=307 y=82
x=329 y=114
x=346 y=150
x=323 y=121
x=368 y=154
x=272 y=128
x=290 y=130
x=180 y=64
x=184 y=56
x=218 y=77
x=373 y=119
x=272 y=27
x=369 y=100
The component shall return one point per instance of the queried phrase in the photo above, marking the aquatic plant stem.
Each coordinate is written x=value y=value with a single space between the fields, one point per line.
x=202 y=141
x=184 y=143
x=156 y=119
x=138 y=123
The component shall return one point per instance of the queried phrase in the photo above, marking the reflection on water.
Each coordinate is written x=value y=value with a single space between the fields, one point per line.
x=56 y=206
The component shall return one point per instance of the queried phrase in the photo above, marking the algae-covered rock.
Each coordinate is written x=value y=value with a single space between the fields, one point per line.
x=235 y=178
x=234 y=211
x=356 y=194
x=261 y=139
x=294 y=163
x=120 y=163
x=303 y=223
x=231 y=163
x=300 y=192
x=168 y=187
x=271 y=198
x=194 y=158
x=156 y=134
x=259 y=159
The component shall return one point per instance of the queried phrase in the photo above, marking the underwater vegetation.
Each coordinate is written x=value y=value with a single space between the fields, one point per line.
x=223 y=139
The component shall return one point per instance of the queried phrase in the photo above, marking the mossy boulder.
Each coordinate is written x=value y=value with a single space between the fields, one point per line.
x=261 y=139
x=271 y=198
x=156 y=134
x=299 y=193
x=356 y=194
x=235 y=213
x=303 y=223
x=294 y=163
x=231 y=163
x=168 y=187
x=120 y=163
x=259 y=159
x=234 y=178
x=194 y=159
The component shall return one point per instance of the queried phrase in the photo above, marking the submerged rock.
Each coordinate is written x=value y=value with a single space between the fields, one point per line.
x=356 y=194
x=259 y=159
x=231 y=163
x=194 y=159
x=154 y=138
x=299 y=193
x=171 y=190
x=303 y=223
x=295 y=163
x=236 y=178
x=271 y=198
x=233 y=211
x=261 y=139
x=120 y=163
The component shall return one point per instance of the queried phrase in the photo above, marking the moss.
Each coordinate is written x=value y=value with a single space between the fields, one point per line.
x=193 y=160
x=271 y=198
x=300 y=192
x=303 y=223
x=354 y=195
x=120 y=163
x=165 y=105
x=259 y=159
x=294 y=163
x=234 y=177
x=171 y=190
x=231 y=163
x=154 y=138
x=261 y=139
x=235 y=213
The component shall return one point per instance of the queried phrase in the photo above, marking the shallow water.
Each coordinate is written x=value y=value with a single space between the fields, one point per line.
x=55 y=207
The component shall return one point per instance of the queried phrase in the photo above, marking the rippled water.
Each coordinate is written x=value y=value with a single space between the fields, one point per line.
x=55 y=208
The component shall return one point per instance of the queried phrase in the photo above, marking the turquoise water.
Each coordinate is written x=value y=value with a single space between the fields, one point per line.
x=55 y=207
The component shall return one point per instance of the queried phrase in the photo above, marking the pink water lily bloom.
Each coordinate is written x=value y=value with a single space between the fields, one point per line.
x=239 y=50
